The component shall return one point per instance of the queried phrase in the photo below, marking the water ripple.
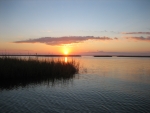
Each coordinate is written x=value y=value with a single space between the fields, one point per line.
x=109 y=86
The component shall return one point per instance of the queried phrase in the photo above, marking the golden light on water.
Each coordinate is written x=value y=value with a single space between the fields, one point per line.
x=66 y=59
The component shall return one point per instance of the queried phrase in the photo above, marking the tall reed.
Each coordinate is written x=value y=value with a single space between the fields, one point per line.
x=21 y=70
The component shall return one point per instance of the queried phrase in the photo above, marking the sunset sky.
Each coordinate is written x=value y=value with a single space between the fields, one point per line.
x=75 y=26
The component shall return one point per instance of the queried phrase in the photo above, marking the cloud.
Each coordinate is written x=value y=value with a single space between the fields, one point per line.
x=147 y=33
x=139 y=38
x=63 y=40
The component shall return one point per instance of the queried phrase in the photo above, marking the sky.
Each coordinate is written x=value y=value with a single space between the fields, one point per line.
x=87 y=27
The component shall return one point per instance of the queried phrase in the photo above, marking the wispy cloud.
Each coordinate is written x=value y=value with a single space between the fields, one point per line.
x=136 y=33
x=139 y=38
x=63 y=40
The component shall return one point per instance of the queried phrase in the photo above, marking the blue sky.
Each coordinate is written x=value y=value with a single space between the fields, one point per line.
x=30 y=19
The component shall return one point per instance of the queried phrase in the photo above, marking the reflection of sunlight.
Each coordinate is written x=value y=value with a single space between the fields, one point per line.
x=66 y=59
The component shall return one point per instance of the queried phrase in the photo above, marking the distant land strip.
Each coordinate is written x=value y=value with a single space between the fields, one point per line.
x=118 y=56
x=102 y=56
x=132 y=56
x=46 y=55
x=73 y=55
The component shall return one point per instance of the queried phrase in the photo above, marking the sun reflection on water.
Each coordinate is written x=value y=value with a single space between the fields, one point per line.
x=66 y=59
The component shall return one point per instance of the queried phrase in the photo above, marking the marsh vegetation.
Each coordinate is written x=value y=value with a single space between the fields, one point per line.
x=18 y=71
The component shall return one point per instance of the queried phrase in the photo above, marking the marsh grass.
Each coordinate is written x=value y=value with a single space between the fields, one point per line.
x=21 y=71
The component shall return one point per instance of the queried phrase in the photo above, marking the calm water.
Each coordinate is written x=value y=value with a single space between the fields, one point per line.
x=109 y=85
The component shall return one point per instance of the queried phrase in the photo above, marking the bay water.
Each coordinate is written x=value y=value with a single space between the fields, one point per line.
x=104 y=85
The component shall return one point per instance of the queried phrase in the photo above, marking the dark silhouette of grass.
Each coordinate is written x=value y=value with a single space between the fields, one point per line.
x=17 y=71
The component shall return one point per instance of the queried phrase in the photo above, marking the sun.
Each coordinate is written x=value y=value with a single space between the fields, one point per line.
x=66 y=52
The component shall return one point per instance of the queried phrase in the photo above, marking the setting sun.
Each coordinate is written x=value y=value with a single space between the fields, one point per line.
x=66 y=52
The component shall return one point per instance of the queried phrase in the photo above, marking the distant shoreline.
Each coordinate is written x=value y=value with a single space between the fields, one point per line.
x=102 y=56
x=117 y=56
x=46 y=55
x=75 y=55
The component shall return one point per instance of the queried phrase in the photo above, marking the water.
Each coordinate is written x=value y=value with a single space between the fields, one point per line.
x=106 y=85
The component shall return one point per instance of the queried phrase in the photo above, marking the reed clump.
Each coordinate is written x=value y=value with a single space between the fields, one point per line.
x=32 y=69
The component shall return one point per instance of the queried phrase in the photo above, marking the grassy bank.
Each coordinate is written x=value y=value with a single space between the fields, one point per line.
x=21 y=71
